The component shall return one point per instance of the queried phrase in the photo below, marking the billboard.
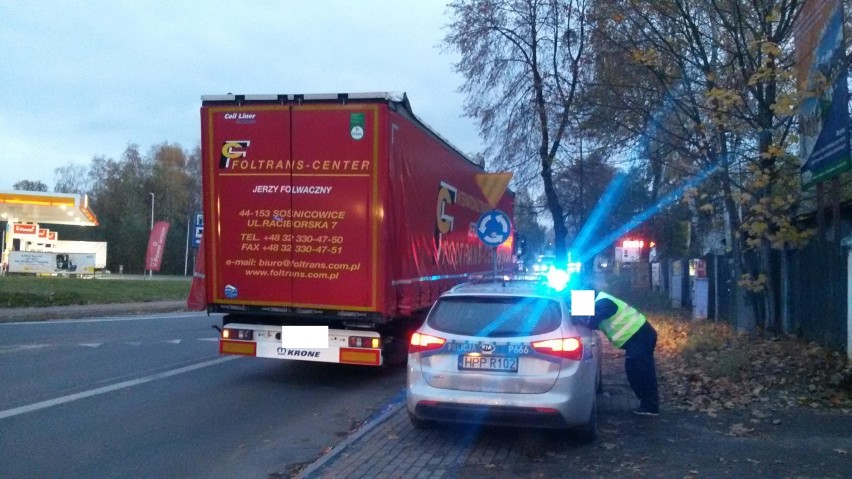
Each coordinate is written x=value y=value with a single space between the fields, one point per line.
x=97 y=248
x=824 y=135
x=51 y=263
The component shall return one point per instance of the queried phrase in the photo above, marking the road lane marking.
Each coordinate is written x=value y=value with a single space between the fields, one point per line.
x=107 y=389
x=29 y=347
x=22 y=347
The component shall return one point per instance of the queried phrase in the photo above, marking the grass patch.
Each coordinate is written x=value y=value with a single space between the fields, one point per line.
x=42 y=291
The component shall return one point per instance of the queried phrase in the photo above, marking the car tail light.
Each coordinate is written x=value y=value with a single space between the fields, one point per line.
x=424 y=342
x=568 y=348
x=243 y=334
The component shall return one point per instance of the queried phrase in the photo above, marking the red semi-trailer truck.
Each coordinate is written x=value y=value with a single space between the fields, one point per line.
x=332 y=222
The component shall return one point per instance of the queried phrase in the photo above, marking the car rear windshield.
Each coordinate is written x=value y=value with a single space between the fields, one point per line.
x=500 y=316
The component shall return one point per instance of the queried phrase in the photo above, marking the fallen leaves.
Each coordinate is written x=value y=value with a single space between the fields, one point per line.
x=708 y=367
x=739 y=430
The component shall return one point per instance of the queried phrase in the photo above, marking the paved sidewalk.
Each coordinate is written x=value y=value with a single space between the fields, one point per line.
x=751 y=443
x=390 y=447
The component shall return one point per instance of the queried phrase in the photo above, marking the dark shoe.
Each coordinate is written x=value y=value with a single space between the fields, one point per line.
x=643 y=411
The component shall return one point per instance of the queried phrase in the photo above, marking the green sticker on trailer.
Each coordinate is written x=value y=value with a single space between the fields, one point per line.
x=356 y=125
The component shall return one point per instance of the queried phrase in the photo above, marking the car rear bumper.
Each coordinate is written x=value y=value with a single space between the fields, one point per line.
x=490 y=415
x=553 y=409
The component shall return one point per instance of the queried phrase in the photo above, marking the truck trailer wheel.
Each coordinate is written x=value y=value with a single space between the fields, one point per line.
x=395 y=352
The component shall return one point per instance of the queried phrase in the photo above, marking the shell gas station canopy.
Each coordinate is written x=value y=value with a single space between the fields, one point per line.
x=46 y=208
x=30 y=248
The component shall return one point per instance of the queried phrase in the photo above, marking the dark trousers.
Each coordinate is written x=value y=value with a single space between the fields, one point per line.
x=640 y=369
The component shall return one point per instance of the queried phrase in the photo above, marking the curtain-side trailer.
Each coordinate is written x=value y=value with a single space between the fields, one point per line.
x=332 y=223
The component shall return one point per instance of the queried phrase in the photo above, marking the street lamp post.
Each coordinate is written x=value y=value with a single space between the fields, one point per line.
x=151 y=272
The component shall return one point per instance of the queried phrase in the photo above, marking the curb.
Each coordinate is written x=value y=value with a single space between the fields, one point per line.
x=9 y=315
x=394 y=405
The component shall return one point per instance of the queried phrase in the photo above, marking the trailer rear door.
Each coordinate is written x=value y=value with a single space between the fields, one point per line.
x=293 y=194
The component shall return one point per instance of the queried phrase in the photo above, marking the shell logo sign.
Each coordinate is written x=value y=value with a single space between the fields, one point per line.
x=25 y=230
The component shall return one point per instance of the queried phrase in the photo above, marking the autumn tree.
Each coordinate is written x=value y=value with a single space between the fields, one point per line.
x=30 y=185
x=193 y=172
x=527 y=227
x=173 y=187
x=581 y=182
x=120 y=195
x=72 y=178
x=724 y=70
x=121 y=201
x=523 y=63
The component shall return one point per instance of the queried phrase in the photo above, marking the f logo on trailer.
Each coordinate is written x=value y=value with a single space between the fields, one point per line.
x=446 y=196
x=232 y=149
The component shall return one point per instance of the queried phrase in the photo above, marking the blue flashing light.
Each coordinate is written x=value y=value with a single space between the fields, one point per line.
x=558 y=279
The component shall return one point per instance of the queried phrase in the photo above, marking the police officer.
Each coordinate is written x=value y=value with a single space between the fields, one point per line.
x=628 y=329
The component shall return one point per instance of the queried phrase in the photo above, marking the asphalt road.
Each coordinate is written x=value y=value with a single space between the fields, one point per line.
x=149 y=396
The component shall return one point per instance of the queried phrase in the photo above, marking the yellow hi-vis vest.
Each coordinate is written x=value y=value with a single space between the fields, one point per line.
x=622 y=325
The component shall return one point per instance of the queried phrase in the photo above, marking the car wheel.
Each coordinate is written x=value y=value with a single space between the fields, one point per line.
x=419 y=423
x=588 y=432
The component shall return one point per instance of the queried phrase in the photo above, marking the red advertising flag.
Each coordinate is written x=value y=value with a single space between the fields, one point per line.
x=156 y=244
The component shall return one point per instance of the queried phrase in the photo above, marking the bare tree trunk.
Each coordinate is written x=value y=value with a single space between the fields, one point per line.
x=560 y=232
x=743 y=319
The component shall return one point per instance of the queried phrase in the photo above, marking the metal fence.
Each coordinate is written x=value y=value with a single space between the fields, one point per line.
x=813 y=304
x=818 y=293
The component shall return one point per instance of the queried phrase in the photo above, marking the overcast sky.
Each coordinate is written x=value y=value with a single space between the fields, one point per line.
x=80 y=79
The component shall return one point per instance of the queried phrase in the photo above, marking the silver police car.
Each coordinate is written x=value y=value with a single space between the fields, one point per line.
x=505 y=353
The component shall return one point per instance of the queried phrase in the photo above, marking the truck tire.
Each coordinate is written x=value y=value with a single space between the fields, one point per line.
x=395 y=352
